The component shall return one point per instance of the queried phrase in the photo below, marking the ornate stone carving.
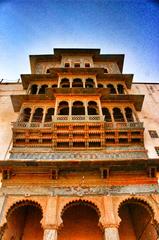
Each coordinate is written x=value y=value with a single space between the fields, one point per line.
x=80 y=190
x=80 y=156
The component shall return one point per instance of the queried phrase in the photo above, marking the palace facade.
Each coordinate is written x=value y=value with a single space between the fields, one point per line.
x=79 y=151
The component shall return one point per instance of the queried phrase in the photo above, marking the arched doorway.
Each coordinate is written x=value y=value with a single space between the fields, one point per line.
x=137 y=221
x=80 y=222
x=23 y=222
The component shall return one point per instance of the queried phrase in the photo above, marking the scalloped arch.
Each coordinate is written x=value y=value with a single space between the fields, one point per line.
x=22 y=203
x=140 y=201
x=80 y=202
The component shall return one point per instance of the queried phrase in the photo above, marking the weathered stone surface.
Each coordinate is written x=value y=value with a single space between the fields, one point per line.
x=50 y=234
x=80 y=191
x=79 y=156
x=111 y=234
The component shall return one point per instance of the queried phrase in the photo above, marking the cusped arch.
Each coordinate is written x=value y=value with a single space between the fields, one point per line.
x=77 y=202
x=142 y=201
x=13 y=207
x=22 y=203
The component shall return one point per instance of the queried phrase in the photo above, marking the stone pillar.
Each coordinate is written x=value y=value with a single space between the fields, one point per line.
x=111 y=233
x=39 y=86
x=50 y=234
x=124 y=116
x=58 y=82
x=100 y=108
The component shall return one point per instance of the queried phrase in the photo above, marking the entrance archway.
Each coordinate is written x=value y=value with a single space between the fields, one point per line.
x=137 y=221
x=23 y=222
x=80 y=222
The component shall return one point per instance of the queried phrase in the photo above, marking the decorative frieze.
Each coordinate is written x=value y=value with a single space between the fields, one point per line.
x=79 y=190
x=80 y=156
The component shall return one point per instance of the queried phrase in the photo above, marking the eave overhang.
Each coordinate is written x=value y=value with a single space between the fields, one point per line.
x=136 y=99
x=99 y=72
x=119 y=165
x=51 y=94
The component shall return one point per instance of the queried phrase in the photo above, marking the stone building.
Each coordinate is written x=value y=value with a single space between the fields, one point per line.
x=79 y=151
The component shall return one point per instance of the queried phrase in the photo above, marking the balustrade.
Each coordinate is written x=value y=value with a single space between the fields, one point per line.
x=123 y=125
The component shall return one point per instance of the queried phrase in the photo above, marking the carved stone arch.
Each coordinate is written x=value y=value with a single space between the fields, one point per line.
x=89 y=202
x=140 y=200
x=11 y=209
x=23 y=203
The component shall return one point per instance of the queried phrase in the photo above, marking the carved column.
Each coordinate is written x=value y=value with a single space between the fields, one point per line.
x=50 y=234
x=71 y=80
x=111 y=233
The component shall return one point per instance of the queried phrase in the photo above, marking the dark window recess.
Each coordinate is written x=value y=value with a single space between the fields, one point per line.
x=87 y=65
x=104 y=173
x=6 y=174
x=153 y=134
x=67 y=65
x=157 y=150
x=79 y=144
x=77 y=65
x=94 y=144
x=105 y=70
x=152 y=172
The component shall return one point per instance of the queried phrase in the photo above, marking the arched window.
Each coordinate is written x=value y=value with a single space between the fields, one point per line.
x=77 y=82
x=38 y=115
x=93 y=108
x=90 y=83
x=112 y=89
x=43 y=89
x=105 y=70
x=100 y=85
x=65 y=83
x=48 y=71
x=78 y=108
x=25 y=116
x=117 y=114
x=129 y=114
x=49 y=114
x=63 y=108
x=120 y=89
x=54 y=86
x=107 y=115
x=33 y=89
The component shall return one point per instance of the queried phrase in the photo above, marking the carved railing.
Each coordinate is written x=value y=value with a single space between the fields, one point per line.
x=78 y=118
x=32 y=125
x=124 y=125
x=59 y=118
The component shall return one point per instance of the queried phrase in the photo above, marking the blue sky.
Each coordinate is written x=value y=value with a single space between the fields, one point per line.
x=130 y=27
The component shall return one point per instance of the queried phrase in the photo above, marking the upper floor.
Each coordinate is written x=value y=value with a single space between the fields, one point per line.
x=76 y=58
